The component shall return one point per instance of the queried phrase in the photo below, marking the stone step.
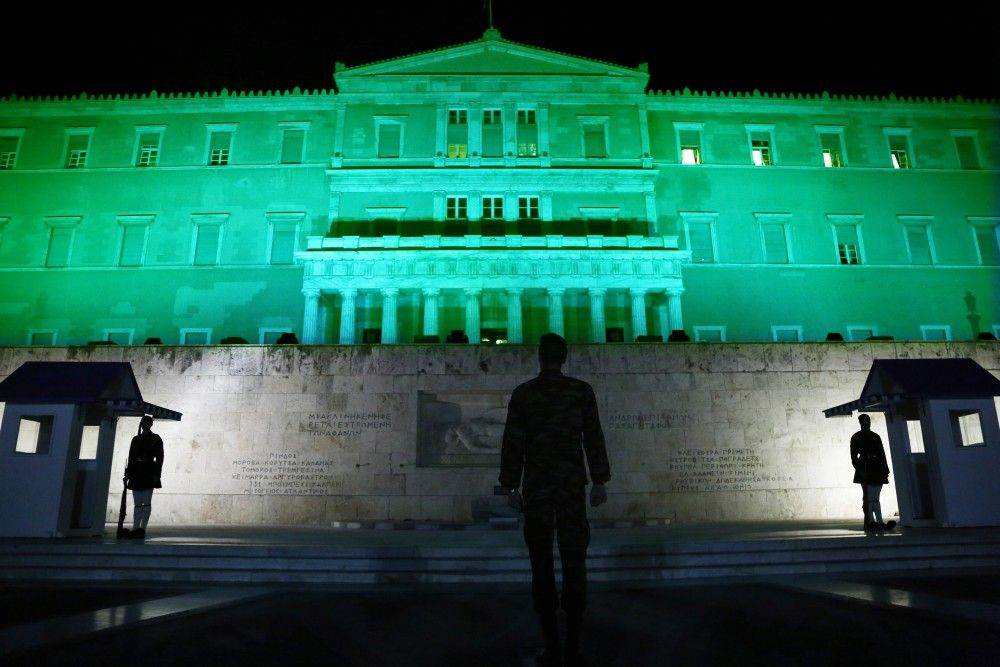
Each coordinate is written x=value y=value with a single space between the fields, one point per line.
x=42 y=560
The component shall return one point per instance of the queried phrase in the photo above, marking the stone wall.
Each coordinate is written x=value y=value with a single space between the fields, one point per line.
x=290 y=435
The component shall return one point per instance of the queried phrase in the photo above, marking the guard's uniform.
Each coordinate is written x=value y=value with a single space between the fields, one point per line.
x=547 y=420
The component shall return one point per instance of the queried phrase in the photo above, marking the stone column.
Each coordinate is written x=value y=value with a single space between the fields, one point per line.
x=472 y=310
x=597 y=327
x=310 y=319
x=638 y=295
x=674 y=307
x=390 y=328
x=347 y=315
x=556 y=324
x=432 y=296
x=514 y=333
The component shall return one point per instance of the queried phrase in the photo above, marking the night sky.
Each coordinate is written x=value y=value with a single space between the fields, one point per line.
x=869 y=47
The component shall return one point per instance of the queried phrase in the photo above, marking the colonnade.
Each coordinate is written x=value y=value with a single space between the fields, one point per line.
x=431 y=297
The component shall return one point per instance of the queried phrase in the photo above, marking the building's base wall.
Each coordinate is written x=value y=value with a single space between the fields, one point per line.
x=292 y=435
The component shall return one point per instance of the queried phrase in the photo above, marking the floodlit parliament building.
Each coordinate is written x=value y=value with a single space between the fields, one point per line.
x=490 y=192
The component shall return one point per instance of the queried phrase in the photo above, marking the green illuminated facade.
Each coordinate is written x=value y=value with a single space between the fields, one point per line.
x=501 y=190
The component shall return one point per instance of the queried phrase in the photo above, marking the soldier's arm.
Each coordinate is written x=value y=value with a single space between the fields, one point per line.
x=593 y=441
x=512 y=450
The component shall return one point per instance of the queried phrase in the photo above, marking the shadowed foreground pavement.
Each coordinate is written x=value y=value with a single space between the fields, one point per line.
x=749 y=622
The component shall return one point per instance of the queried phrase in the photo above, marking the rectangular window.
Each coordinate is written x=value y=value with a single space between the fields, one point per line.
x=985 y=233
x=918 y=244
x=34 y=434
x=968 y=154
x=700 y=233
x=40 y=337
x=88 y=442
x=848 y=246
x=60 y=244
x=270 y=336
x=760 y=149
x=207 y=242
x=284 y=236
x=527 y=207
x=133 y=245
x=493 y=207
x=915 y=434
x=457 y=208
x=220 y=144
x=8 y=151
x=119 y=336
x=899 y=151
x=689 y=143
x=967 y=427
x=458 y=133
x=77 y=146
x=527 y=133
x=196 y=336
x=861 y=333
x=935 y=332
x=710 y=334
x=492 y=133
x=293 y=141
x=147 y=150
x=786 y=333
x=595 y=144
x=390 y=139
x=775 y=243
x=832 y=146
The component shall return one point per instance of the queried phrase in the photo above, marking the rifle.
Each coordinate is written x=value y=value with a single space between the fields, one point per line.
x=122 y=531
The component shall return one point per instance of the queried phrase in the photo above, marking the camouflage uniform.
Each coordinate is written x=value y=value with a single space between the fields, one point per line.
x=546 y=421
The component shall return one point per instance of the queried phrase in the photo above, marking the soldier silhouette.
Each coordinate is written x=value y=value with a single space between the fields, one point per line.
x=548 y=419
x=871 y=471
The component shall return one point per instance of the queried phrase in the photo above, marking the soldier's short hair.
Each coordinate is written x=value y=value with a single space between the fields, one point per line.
x=552 y=349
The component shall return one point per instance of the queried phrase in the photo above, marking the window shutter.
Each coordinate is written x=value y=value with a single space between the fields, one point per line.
x=59 y=245
x=291 y=146
x=133 y=240
x=389 y=135
x=920 y=248
x=207 y=246
x=775 y=249
x=700 y=234
x=283 y=244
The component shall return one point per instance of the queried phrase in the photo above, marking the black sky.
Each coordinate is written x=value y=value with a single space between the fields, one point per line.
x=851 y=47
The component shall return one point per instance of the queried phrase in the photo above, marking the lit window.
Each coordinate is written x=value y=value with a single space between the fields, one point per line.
x=77 y=147
x=8 y=151
x=390 y=139
x=595 y=142
x=527 y=133
x=34 y=434
x=293 y=140
x=147 y=148
x=899 y=149
x=134 y=234
x=493 y=208
x=760 y=147
x=458 y=133
x=986 y=233
x=915 y=435
x=527 y=207
x=967 y=427
x=831 y=141
x=492 y=133
x=220 y=143
x=965 y=146
x=916 y=232
x=689 y=142
x=457 y=208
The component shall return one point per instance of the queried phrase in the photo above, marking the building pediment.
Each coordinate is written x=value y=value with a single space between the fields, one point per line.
x=490 y=58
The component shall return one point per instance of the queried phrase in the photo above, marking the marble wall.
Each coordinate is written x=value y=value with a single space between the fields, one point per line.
x=290 y=435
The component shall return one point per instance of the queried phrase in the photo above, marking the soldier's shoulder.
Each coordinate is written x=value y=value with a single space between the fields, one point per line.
x=578 y=384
